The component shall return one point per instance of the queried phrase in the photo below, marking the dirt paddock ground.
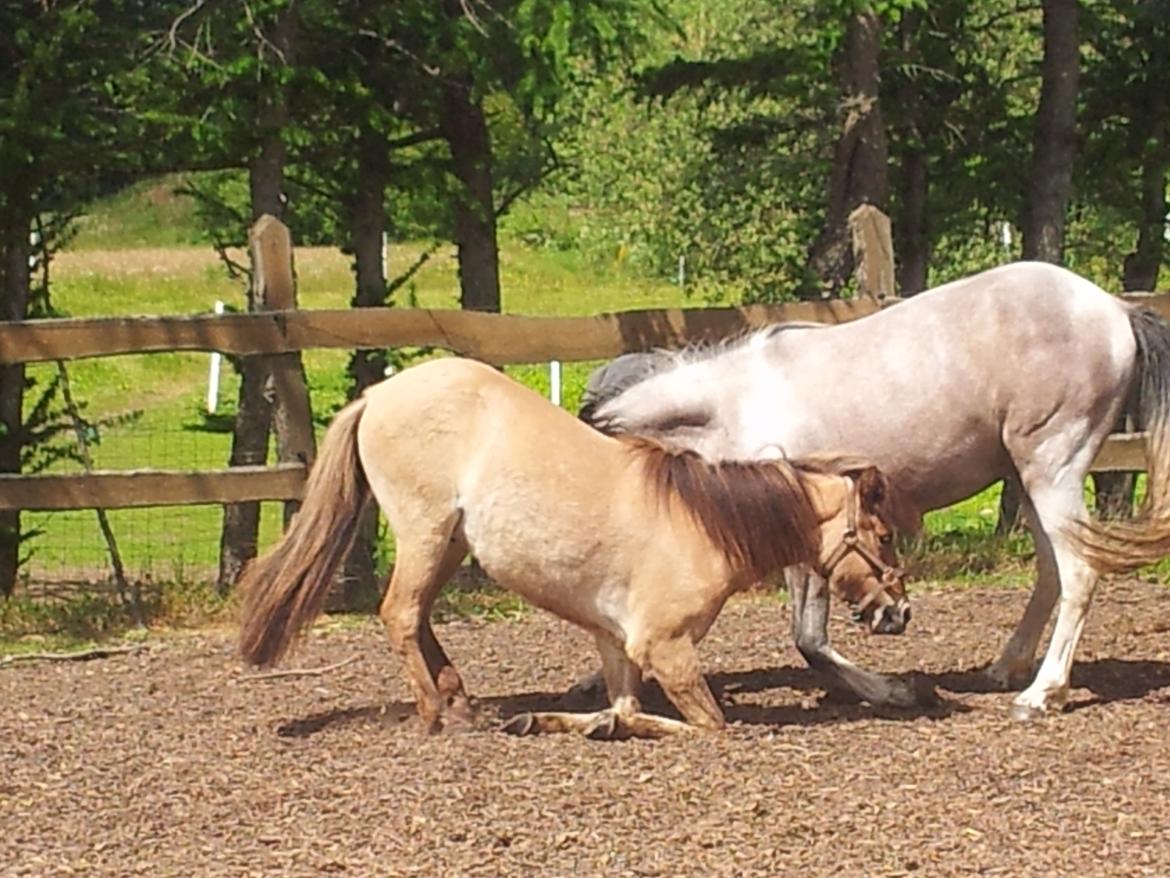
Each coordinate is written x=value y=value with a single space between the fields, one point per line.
x=172 y=762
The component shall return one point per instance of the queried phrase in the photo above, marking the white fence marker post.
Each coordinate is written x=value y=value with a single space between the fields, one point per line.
x=213 y=372
x=554 y=381
x=682 y=270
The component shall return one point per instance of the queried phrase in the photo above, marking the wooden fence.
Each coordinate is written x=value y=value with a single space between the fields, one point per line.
x=495 y=338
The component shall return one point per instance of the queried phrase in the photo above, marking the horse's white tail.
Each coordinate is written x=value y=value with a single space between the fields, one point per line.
x=285 y=590
x=1122 y=546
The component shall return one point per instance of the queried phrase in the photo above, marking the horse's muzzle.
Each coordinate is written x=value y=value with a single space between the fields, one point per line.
x=892 y=618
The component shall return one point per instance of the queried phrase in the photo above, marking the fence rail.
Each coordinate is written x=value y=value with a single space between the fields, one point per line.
x=494 y=338
x=130 y=488
x=500 y=339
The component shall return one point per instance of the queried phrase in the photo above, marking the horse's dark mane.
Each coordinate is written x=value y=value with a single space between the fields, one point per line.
x=757 y=514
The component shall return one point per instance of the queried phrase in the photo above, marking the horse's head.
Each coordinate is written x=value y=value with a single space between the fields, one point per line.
x=857 y=549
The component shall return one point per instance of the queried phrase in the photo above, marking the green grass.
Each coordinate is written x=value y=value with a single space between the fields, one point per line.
x=147 y=214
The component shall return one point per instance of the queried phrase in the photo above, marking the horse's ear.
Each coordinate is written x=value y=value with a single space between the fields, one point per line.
x=878 y=494
x=872 y=487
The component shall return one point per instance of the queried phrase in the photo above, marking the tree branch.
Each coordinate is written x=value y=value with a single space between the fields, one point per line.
x=424 y=136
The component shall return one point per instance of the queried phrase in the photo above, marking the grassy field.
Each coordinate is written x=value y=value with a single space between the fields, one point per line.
x=134 y=256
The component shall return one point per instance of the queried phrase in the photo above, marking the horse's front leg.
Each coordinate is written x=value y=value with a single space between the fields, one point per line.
x=810 y=629
x=624 y=717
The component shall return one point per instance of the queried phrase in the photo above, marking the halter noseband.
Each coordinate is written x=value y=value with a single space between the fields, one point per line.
x=851 y=543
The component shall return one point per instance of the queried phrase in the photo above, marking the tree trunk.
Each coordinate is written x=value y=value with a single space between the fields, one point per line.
x=1054 y=135
x=1143 y=264
x=241 y=521
x=911 y=243
x=1053 y=153
x=465 y=129
x=14 y=296
x=367 y=227
x=860 y=158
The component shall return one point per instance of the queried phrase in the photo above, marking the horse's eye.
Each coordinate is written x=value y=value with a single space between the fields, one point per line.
x=886 y=539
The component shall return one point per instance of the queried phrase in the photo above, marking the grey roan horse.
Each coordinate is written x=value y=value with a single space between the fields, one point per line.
x=1019 y=373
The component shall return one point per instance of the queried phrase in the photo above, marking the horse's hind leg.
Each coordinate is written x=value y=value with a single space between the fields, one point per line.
x=1015 y=666
x=1056 y=507
x=436 y=657
x=424 y=563
x=456 y=704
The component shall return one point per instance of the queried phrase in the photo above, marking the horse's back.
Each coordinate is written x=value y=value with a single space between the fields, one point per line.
x=455 y=408
x=931 y=387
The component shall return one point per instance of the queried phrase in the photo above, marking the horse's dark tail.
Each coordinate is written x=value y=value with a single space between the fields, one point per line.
x=1122 y=546
x=285 y=590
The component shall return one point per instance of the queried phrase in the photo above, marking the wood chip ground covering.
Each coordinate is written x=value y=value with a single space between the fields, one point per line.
x=169 y=762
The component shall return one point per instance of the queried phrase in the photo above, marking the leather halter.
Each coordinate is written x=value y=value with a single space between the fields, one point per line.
x=851 y=543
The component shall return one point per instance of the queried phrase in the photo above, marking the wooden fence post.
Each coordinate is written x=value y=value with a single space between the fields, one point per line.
x=292 y=413
x=873 y=252
x=272 y=389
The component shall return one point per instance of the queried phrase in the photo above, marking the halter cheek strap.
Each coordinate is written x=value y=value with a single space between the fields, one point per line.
x=851 y=543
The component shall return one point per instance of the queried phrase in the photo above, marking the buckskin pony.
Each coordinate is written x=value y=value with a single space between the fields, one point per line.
x=637 y=544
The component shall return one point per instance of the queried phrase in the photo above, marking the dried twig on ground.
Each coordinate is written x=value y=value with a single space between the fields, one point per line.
x=299 y=672
x=82 y=655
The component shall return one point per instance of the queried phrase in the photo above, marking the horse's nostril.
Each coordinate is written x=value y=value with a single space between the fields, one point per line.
x=906 y=616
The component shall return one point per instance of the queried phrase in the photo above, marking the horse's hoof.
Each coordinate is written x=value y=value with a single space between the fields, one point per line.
x=521 y=724
x=1027 y=713
x=603 y=728
x=907 y=694
x=459 y=711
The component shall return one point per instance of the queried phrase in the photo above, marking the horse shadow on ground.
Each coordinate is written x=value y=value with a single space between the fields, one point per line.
x=1108 y=679
x=819 y=706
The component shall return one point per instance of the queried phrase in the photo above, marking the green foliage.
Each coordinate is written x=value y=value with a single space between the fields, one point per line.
x=68 y=129
x=715 y=161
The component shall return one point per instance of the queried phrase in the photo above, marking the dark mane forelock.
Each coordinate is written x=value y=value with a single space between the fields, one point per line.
x=756 y=514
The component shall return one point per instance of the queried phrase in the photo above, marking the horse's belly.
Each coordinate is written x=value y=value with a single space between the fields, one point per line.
x=548 y=565
x=933 y=462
